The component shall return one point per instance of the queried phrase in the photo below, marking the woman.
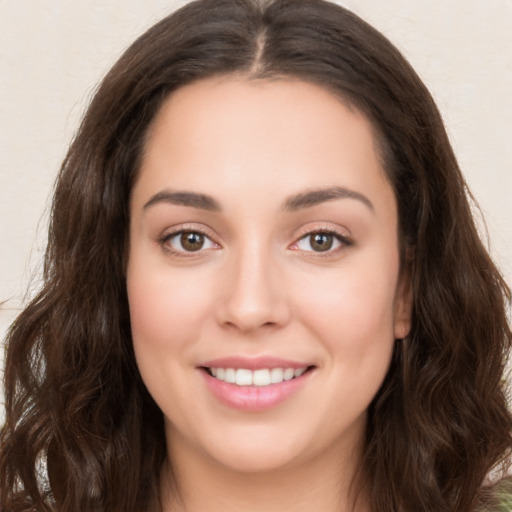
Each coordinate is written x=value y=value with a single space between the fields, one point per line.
x=263 y=287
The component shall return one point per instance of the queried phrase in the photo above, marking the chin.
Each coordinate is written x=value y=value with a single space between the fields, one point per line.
x=256 y=459
x=256 y=448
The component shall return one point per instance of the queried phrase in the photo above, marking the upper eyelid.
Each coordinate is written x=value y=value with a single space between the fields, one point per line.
x=173 y=234
x=300 y=234
x=344 y=234
x=164 y=241
x=345 y=240
x=193 y=228
x=341 y=238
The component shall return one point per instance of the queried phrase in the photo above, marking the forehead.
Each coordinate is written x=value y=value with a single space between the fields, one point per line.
x=277 y=110
x=229 y=132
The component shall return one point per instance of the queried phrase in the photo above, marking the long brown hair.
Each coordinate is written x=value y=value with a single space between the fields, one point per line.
x=82 y=432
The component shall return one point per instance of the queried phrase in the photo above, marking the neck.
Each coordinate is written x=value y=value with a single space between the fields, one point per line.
x=323 y=484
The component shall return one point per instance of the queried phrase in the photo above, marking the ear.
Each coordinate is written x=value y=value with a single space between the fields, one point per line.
x=403 y=304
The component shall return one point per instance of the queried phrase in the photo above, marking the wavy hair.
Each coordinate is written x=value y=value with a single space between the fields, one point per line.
x=82 y=432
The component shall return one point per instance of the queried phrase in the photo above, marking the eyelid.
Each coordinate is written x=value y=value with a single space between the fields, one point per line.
x=184 y=228
x=344 y=239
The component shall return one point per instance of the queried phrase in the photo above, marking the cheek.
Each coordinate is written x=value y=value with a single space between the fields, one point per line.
x=164 y=306
x=352 y=311
x=168 y=312
x=359 y=302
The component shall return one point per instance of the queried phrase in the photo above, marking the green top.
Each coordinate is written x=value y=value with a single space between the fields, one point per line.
x=500 y=497
x=505 y=502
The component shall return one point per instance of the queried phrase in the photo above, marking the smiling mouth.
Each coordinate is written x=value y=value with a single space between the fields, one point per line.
x=261 y=377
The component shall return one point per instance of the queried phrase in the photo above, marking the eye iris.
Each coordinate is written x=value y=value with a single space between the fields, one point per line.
x=191 y=241
x=321 y=241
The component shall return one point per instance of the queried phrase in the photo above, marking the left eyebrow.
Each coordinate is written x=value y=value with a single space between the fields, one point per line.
x=184 y=198
x=315 y=197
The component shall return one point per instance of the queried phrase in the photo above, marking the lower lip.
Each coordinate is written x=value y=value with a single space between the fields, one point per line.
x=254 y=398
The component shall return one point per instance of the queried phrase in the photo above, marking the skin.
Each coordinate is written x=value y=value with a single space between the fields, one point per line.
x=258 y=287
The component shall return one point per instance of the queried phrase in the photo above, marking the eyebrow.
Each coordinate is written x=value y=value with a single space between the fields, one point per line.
x=291 y=204
x=315 y=197
x=192 y=199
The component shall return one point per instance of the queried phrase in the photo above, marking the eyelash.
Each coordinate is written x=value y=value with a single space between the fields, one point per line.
x=342 y=240
x=164 y=242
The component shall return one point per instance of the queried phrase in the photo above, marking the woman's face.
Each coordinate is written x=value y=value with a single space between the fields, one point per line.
x=263 y=245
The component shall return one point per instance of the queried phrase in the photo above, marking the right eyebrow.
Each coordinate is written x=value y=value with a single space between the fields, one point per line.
x=313 y=197
x=184 y=198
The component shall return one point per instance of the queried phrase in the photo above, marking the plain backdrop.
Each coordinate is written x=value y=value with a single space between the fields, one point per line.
x=53 y=53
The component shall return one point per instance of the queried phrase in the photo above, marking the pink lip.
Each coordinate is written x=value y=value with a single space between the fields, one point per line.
x=253 y=363
x=253 y=398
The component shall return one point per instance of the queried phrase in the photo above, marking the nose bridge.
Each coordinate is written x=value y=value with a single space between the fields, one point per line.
x=255 y=295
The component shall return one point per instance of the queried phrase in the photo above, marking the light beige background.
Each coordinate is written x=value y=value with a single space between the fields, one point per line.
x=54 y=52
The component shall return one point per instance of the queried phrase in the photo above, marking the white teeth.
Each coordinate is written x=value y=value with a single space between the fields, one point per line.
x=262 y=377
x=299 y=372
x=243 y=377
x=289 y=373
x=276 y=375
x=230 y=375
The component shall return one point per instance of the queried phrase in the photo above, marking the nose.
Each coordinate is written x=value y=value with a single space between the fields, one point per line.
x=254 y=295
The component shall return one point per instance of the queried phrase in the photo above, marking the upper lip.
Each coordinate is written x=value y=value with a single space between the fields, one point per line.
x=254 y=363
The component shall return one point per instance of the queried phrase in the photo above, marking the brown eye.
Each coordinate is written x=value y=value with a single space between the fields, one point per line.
x=321 y=242
x=191 y=241
x=183 y=242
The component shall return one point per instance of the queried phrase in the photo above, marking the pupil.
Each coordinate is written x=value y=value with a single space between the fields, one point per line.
x=321 y=242
x=192 y=241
